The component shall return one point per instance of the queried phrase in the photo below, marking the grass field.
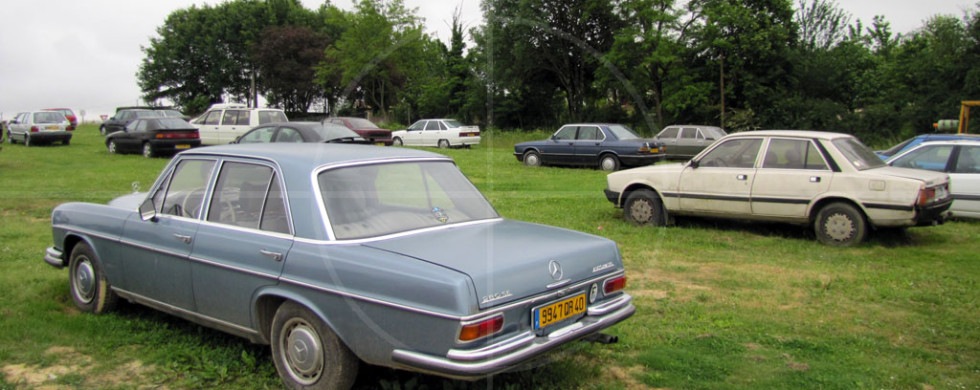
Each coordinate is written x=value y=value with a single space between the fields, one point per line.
x=720 y=305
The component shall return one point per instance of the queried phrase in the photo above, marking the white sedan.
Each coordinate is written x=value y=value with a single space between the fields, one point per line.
x=829 y=181
x=443 y=133
x=960 y=160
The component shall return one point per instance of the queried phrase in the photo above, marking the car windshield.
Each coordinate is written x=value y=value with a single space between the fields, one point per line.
x=622 y=132
x=380 y=199
x=452 y=123
x=362 y=123
x=859 y=155
x=49 y=117
x=328 y=132
x=173 y=123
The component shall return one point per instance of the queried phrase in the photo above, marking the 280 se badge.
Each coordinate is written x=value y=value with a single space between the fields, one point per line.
x=337 y=254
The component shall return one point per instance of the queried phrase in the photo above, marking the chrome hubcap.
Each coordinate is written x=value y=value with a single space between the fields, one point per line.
x=839 y=227
x=302 y=351
x=84 y=281
x=532 y=160
x=608 y=164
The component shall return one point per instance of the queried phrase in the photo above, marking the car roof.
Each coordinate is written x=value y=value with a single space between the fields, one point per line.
x=948 y=142
x=308 y=156
x=948 y=136
x=791 y=133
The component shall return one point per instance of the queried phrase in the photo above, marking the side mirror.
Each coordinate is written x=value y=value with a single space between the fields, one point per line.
x=694 y=164
x=148 y=211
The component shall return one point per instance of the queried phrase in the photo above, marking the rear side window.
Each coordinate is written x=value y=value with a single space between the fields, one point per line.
x=249 y=196
x=270 y=116
x=589 y=133
x=933 y=158
x=969 y=160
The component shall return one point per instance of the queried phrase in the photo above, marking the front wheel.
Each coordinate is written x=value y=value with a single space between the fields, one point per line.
x=307 y=353
x=840 y=224
x=397 y=141
x=608 y=163
x=112 y=147
x=532 y=159
x=89 y=287
x=643 y=207
x=148 y=150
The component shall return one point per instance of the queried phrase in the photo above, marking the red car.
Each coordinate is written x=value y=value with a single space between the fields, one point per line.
x=365 y=128
x=68 y=113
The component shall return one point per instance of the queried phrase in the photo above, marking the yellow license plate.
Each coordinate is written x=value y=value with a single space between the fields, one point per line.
x=183 y=146
x=654 y=150
x=379 y=143
x=51 y=128
x=558 y=311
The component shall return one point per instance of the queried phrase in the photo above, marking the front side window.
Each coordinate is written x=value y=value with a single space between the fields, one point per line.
x=735 y=153
x=418 y=125
x=375 y=200
x=933 y=158
x=566 y=133
x=183 y=194
x=249 y=196
x=213 y=118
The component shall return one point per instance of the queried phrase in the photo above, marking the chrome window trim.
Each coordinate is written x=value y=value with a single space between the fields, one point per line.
x=333 y=241
x=276 y=175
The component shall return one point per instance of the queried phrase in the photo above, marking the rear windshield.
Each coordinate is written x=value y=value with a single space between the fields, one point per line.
x=173 y=123
x=49 y=117
x=859 y=155
x=269 y=116
x=147 y=114
x=329 y=132
x=362 y=123
x=380 y=199
x=622 y=132
x=452 y=123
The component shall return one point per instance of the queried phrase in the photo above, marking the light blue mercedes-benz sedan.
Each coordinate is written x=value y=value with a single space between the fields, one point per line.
x=338 y=254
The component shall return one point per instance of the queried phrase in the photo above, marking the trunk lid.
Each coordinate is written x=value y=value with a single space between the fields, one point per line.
x=930 y=178
x=509 y=260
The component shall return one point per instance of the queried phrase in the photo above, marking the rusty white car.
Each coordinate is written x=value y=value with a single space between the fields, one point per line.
x=829 y=181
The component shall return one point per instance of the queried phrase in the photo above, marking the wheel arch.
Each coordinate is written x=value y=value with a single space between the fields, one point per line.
x=71 y=241
x=636 y=187
x=823 y=202
x=268 y=302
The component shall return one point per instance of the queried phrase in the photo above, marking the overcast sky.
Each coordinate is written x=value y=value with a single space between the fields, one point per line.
x=84 y=54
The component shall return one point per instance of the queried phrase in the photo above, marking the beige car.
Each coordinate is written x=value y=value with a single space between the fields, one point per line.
x=829 y=181
x=224 y=123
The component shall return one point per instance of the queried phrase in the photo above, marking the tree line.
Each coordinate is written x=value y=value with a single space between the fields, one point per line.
x=742 y=64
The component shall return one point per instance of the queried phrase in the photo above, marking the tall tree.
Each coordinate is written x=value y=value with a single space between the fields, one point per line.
x=285 y=58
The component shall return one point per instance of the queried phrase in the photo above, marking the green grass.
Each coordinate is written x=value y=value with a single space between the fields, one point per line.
x=720 y=305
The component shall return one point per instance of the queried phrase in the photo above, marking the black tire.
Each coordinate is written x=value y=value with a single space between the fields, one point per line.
x=10 y=138
x=532 y=159
x=840 y=224
x=112 y=147
x=148 y=150
x=66 y=141
x=89 y=288
x=609 y=162
x=444 y=144
x=307 y=353
x=644 y=207
x=397 y=141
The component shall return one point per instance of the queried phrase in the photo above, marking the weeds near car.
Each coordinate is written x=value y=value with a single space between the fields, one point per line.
x=721 y=305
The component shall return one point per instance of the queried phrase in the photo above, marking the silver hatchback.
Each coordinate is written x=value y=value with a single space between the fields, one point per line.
x=39 y=126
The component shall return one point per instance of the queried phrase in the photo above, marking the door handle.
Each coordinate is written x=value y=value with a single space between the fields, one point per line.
x=185 y=239
x=272 y=255
x=814 y=179
x=742 y=177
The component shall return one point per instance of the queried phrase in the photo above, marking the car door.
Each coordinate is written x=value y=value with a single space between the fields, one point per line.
x=233 y=124
x=560 y=149
x=792 y=174
x=964 y=182
x=209 y=127
x=721 y=181
x=243 y=243
x=434 y=131
x=156 y=251
x=16 y=127
x=413 y=134
x=588 y=143
x=128 y=138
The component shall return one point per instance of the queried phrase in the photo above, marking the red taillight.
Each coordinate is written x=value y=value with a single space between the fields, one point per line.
x=926 y=195
x=614 y=284
x=470 y=134
x=183 y=135
x=481 y=329
x=34 y=129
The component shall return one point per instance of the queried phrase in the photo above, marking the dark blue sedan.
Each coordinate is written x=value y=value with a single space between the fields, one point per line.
x=607 y=146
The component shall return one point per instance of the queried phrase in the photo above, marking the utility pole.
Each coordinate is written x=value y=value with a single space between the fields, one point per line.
x=722 y=91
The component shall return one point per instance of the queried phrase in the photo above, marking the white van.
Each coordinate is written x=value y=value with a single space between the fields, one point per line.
x=222 y=123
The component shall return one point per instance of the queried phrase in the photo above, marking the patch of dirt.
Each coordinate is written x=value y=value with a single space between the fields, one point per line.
x=68 y=361
x=627 y=375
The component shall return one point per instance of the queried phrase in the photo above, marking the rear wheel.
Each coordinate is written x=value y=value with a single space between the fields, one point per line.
x=840 y=224
x=443 y=144
x=307 y=353
x=89 y=288
x=397 y=141
x=643 y=207
x=27 y=140
x=66 y=141
x=532 y=159
x=148 y=150
x=608 y=162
